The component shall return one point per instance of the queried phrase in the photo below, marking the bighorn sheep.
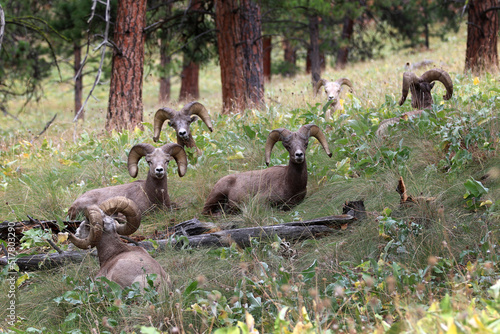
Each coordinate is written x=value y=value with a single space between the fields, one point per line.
x=284 y=186
x=119 y=262
x=145 y=193
x=421 y=97
x=421 y=87
x=180 y=121
x=332 y=90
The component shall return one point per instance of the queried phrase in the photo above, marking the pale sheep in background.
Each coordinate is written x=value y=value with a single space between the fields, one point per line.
x=333 y=89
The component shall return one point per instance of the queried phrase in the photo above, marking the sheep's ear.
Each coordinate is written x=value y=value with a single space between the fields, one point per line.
x=432 y=84
x=194 y=118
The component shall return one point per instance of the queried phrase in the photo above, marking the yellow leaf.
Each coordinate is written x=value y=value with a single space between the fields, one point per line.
x=250 y=323
x=21 y=279
x=452 y=328
x=239 y=155
x=301 y=328
x=26 y=155
x=487 y=202
x=476 y=80
x=62 y=237
x=434 y=307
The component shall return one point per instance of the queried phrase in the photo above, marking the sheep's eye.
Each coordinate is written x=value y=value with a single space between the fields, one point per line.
x=170 y=124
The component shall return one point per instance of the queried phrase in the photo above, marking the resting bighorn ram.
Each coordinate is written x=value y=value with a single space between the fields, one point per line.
x=119 y=262
x=180 y=121
x=421 y=97
x=332 y=90
x=284 y=186
x=145 y=193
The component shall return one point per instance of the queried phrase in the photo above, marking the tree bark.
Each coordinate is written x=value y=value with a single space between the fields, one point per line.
x=343 y=53
x=125 y=107
x=189 y=82
x=77 y=54
x=240 y=54
x=482 y=37
x=314 y=49
x=267 y=47
x=165 y=76
x=290 y=53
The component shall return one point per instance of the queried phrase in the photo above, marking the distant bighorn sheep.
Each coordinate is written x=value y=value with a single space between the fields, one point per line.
x=121 y=263
x=284 y=186
x=421 y=97
x=332 y=90
x=420 y=87
x=145 y=193
x=180 y=121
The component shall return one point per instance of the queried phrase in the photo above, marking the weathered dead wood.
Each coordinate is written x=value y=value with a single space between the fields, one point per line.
x=292 y=231
x=354 y=208
x=45 y=261
x=408 y=199
x=22 y=226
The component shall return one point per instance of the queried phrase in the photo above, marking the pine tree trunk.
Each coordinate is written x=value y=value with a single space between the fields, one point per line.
x=482 y=37
x=267 y=46
x=77 y=54
x=314 y=49
x=290 y=53
x=189 y=82
x=125 y=107
x=343 y=53
x=240 y=54
x=165 y=76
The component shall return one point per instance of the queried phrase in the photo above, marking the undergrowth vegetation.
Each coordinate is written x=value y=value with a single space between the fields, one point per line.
x=428 y=267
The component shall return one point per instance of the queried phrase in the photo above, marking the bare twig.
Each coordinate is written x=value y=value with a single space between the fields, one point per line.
x=2 y=25
x=45 y=128
x=102 y=46
x=59 y=250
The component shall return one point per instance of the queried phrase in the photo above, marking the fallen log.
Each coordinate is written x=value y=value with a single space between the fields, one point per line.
x=292 y=231
x=45 y=261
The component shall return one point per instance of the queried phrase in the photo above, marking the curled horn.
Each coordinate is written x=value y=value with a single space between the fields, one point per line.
x=442 y=76
x=312 y=130
x=128 y=208
x=177 y=151
x=409 y=78
x=198 y=109
x=273 y=138
x=136 y=153
x=161 y=116
x=345 y=81
x=94 y=219
x=318 y=85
